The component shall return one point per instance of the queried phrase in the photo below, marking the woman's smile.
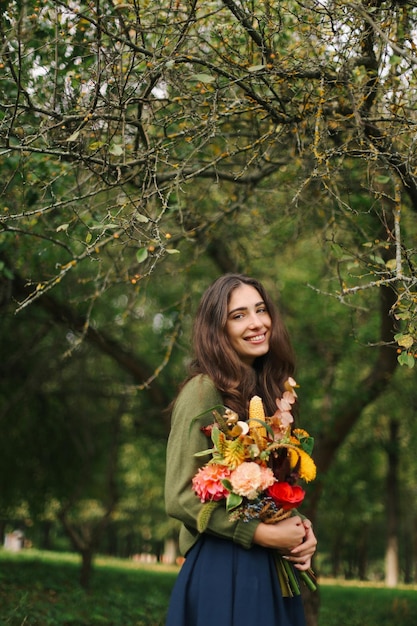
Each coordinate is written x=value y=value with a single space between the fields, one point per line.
x=256 y=339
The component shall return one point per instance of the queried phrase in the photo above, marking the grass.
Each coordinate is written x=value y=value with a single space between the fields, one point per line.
x=360 y=604
x=41 y=589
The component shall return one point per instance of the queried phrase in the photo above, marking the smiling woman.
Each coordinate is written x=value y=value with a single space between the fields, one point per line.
x=248 y=323
x=230 y=576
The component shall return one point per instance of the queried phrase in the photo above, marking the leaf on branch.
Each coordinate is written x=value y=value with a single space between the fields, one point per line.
x=63 y=227
x=141 y=255
x=74 y=136
x=404 y=315
x=116 y=149
x=203 y=78
x=172 y=251
x=406 y=359
x=96 y=145
x=256 y=68
x=405 y=341
x=391 y=264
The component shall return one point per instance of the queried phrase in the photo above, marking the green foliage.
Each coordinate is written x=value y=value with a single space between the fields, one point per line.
x=352 y=514
x=118 y=142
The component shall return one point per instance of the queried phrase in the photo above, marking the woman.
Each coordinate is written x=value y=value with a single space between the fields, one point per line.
x=241 y=349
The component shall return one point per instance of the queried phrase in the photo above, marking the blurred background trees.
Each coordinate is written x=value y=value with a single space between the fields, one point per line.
x=146 y=149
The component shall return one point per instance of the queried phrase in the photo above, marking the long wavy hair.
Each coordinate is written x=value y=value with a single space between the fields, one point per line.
x=215 y=356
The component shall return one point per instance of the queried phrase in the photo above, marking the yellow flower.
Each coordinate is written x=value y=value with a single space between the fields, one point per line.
x=300 y=433
x=293 y=456
x=234 y=452
x=307 y=466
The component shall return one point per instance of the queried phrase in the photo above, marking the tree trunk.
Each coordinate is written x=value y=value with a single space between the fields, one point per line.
x=391 y=554
x=170 y=551
x=46 y=528
x=86 y=567
x=311 y=600
x=363 y=544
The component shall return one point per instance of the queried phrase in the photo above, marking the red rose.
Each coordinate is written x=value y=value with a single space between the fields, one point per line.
x=286 y=496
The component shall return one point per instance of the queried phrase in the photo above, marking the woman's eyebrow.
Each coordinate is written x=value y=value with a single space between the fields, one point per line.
x=245 y=308
x=239 y=308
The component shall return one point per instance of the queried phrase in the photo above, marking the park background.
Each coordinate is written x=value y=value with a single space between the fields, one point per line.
x=145 y=149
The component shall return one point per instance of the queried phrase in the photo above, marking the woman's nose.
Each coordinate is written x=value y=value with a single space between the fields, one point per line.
x=255 y=321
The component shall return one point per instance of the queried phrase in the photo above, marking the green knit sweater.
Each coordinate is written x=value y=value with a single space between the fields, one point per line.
x=199 y=395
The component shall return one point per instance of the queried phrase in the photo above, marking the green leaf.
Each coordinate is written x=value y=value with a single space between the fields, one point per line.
x=172 y=251
x=203 y=78
x=394 y=59
x=404 y=315
x=377 y=259
x=204 y=452
x=96 y=145
x=391 y=264
x=227 y=484
x=116 y=149
x=215 y=435
x=406 y=359
x=405 y=341
x=233 y=501
x=256 y=68
x=74 y=136
x=141 y=255
x=307 y=444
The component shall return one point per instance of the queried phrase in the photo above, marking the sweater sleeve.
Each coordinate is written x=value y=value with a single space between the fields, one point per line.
x=197 y=397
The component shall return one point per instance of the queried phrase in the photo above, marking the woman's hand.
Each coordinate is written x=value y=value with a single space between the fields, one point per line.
x=293 y=537
x=283 y=536
x=301 y=555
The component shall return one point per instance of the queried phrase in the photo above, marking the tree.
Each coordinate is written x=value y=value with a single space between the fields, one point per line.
x=144 y=143
x=139 y=102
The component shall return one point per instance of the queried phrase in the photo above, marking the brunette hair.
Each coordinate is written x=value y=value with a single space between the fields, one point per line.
x=215 y=356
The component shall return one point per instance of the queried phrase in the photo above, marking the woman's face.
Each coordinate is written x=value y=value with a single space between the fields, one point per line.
x=248 y=323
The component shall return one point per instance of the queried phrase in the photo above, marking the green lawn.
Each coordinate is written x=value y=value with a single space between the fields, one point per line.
x=40 y=589
x=366 y=605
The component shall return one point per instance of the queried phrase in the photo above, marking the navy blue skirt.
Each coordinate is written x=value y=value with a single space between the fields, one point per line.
x=223 y=584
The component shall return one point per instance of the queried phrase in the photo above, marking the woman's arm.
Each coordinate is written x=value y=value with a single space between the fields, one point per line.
x=198 y=396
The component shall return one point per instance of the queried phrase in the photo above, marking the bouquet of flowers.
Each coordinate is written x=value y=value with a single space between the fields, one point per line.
x=255 y=467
